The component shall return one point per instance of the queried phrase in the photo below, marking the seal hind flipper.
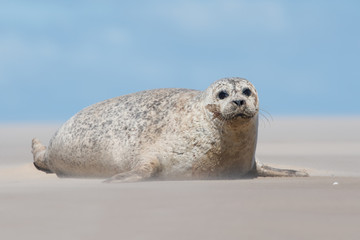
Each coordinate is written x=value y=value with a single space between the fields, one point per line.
x=144 y=171
x=38 y=151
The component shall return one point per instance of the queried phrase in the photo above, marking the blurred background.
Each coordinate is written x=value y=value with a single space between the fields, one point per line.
x=57 y=57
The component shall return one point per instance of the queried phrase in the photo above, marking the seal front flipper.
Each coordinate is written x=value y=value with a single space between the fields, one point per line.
x=145 y=170
x=262 y=170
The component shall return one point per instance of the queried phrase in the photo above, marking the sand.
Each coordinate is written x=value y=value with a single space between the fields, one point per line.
x=35 y=205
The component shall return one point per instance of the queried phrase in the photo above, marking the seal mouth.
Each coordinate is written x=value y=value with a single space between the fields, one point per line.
x=243 y=115
x=239 y=115
x=214 y=109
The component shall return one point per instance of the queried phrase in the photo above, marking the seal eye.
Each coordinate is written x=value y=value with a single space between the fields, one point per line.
x=222 y=95
x=247 y=92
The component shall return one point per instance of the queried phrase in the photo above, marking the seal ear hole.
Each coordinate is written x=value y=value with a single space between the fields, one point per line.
x=222 y=95
x=247 y=92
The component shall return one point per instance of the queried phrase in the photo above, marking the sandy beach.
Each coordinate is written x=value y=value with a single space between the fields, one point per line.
x=326 y=205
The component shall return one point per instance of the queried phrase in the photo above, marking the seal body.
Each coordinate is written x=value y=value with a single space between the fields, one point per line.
x=163 y=133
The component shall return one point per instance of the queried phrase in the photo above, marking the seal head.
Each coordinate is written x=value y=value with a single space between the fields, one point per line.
x=230 y=99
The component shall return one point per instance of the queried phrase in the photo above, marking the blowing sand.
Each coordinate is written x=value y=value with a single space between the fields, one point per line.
x=35 y=205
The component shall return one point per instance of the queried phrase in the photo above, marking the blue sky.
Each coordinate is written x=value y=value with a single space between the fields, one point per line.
x=57 y=57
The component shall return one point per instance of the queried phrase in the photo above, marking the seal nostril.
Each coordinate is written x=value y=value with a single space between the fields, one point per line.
x=239 y=102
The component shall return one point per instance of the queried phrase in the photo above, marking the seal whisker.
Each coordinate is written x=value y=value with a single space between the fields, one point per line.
x=266 y=112
x=264 y=115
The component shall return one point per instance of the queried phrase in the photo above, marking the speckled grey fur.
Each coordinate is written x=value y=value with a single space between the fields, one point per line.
x=163 y=133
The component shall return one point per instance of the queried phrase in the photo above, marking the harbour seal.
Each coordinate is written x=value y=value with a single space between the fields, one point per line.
x=162 y=133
